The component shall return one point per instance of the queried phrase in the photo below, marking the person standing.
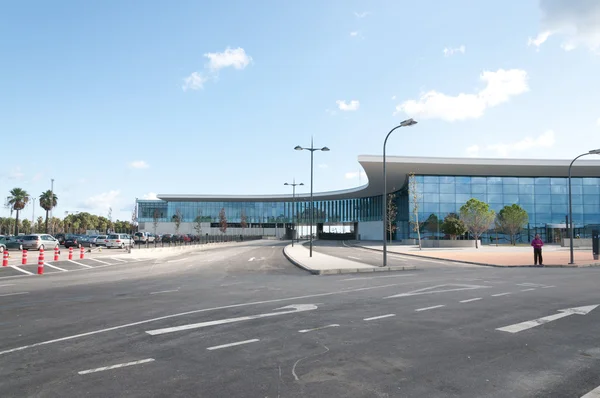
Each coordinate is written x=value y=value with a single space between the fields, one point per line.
x=537 y=244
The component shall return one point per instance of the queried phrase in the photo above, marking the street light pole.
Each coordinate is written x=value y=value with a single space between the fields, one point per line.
x=405 y=123
x=572 y=256
x=312 y=149
x=294 y=219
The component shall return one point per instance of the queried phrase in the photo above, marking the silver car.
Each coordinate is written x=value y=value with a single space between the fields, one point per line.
x=38 y=241
x=118 y=240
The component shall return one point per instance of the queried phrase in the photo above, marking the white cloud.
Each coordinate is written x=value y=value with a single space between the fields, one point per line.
x=361 y=14
x=150 y=196
x=575 y=21
x=598 y=121
x=139 y=164
x=527 y=144
x=102 y=201
x=393 y=97
x=449 y=51
x=195 y=81
x=236 y=58
x=348 y=106
x=16 y=174
x=323 y=166
x=354 y=174
x=354 y=34
x=500 y=87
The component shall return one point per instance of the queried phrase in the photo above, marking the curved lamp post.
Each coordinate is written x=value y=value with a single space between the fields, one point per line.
x=312 y=150
x=295 y=219
x=405 y=123
x=592 y=152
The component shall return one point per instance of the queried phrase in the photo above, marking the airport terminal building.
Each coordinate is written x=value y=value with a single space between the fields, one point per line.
x=443 y=186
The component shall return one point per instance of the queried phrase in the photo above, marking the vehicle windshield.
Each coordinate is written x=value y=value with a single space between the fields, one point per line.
x=30 y=237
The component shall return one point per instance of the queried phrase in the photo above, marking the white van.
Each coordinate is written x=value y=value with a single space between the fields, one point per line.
x=118 y=240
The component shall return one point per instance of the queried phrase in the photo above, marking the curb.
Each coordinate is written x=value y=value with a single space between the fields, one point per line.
x=339 y=271
x=483 y=264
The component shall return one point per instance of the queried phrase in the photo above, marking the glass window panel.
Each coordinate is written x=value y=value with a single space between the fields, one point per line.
x=510 y=189
x=447 y=198
x=526 y=199
x=461 y=199
x=543 y=218
x=591 y=199
x=448 y=207
x=558 y=181
x=543 y=199
x=447 y=188
x=478 y=180
x=590 y=181
x=494 y=188
x=463 y=180
x=510 y=199
x=542 y=208
x=432 y=197
x=526 y=189
x=577 y=209
x=494 y=198
x=510 y=180
x=529 y=209
x=542 y=181
x=591 y=218
x=431 y=188
x=476 y=188
x=525 y=181
x=496 y=207
x=591 y=190
x=463 y=188
x=589 y=209
x=559 y=209
x=431 y=179
x=542 y=189
x=575 y=181
x=559 y=190
x=560 y=199
x=494 y=180
x=431 y=208
x=447 y=179
x=479 y=196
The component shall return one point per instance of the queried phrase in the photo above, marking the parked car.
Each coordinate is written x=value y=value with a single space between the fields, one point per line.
x=60 y=238
x=12 y=243
x=86 y=241
x=71 y=241
x=143 y=237
x=2 y=244
x=118 y=240
x=166 y=238
x=100 y=240
x=38 y=241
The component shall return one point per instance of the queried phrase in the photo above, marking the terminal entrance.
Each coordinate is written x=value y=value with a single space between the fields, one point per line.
x=337 y=231
x=555 y=233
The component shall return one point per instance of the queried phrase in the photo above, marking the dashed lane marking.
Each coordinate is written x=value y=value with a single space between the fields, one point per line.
x=379 y=317
x=165 y=291
x=429 y=308
x=469 y=300
x=118 y=259
x=13 y=294
x=218 y=347
x=376 y=277
x=528 y=290
x=333 y=325
x=501 y=294
x=119 y=365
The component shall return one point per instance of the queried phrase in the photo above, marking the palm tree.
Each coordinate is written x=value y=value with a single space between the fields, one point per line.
x=48 y=201
x=17 y=200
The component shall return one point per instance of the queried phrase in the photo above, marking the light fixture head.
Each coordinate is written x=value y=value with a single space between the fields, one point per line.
x=408 y=122
x=285 y=183
x=594 y=152
x=325 y=149
x=298 y=148
x=301 y=183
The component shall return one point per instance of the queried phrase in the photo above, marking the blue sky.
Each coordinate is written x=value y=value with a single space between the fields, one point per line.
x=123 y=99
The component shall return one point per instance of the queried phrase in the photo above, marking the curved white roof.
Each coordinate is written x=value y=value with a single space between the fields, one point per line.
x=398 y=167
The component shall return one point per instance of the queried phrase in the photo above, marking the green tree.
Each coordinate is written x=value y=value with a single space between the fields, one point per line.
x=222 y=220
x=511 y=220
x=198 y=221
x=26 y=225
x=17 y=199
x=415 y=196
x=477 y=217
x=177 y=219
x=453 y=226
x=48 y=201
x=39 y=225
x=155 y=217
x=392 y=212
x=432 y=224
x=243 y=221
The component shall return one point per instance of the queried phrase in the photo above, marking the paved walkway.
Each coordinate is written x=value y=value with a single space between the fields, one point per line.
x=323 y=264
x=506 y=256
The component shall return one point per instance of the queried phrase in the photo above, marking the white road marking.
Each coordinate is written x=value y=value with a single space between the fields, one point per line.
x=528 y=290
x=13 y=294
x=376 y=277
x=595 y=393
x=20 y=269
x=354 y=258
x=469 y=300
x=165 y=291
x=8 y=284
x=378 y=317
x=429 y=308
x=519 y=327
x=99 y=261
x=251 y=259
x=145 y=321
x=501 y=294
x=55 y=267
x=217 y=347
x=547 y=287
x=175 y=261
x=291 y=309
x=118 y=259
x=333 y=325
x=431 y=290
x=120 y=365
x=83 y=265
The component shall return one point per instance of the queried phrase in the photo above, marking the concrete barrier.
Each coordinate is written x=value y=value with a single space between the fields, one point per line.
x=448 y=243
x=577 y=242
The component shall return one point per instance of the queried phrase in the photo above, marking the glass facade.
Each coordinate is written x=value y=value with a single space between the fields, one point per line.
x=545 y=200
x=326 y=211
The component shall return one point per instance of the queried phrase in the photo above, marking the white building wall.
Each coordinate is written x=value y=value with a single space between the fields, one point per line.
x=370 y=230
x=189 y=228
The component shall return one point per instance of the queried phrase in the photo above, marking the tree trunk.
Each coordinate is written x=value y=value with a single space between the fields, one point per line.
x=47 y=222
x=17 y=224
x=476 y=242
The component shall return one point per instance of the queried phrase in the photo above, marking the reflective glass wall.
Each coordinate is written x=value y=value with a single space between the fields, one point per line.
x=544 y=199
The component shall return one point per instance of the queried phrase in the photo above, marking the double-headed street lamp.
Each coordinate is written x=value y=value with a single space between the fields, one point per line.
x=294 y=219
x=312 y=149
x=405 y=123
x=592 y=152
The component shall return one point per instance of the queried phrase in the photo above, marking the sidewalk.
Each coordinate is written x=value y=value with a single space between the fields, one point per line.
x=323 y=264
x=496 y=256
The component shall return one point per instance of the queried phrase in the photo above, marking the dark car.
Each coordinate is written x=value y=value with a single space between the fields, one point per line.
x=2 y=244
x=60 y=238
x=166 y=238
x=72 y=241
x=11 y=243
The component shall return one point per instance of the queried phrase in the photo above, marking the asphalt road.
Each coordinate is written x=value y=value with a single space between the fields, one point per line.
x=241 y=321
